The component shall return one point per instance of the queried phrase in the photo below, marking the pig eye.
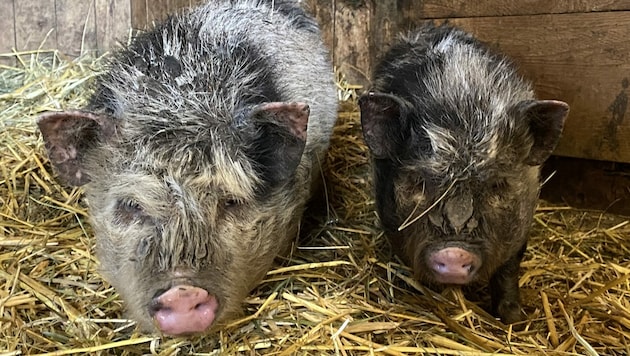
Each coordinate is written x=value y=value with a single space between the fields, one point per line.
x=499 y=184
x=230 y=202
x=128 y=211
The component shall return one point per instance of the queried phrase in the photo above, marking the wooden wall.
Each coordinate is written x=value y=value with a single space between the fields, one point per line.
x=68 y=25
x=73 y=26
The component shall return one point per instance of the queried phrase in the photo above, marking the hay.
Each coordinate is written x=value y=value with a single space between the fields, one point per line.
x=337 y=294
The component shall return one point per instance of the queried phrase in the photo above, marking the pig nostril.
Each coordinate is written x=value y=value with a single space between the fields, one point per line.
x=155 y=307
x=439 y=267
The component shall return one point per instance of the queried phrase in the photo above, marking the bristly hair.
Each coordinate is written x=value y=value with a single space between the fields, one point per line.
x=460 y=92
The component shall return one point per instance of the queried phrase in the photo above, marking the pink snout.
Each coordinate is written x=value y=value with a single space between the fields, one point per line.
x=454 y=265
x=184 y=310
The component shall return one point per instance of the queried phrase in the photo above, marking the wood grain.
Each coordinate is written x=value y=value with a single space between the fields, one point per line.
x=113 y=23
x=35 y=25
x=429 y=9
x=7 y=31
x=139 y=14
x=76 y=26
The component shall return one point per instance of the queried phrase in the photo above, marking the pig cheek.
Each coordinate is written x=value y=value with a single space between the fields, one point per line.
x=501 y=230
x=241 y=270
x=117 y=251
x=117 y=247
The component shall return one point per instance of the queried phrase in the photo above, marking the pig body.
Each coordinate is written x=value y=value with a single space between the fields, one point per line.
x=457 y=139
x=199 y=148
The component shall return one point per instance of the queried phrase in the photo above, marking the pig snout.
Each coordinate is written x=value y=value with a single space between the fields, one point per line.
x=184 y=310
x=454 y=265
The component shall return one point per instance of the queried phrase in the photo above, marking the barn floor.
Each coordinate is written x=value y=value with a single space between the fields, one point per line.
x=337 y=294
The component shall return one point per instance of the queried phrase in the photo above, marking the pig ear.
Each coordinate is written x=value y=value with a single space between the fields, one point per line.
x=280 y=140
x=546 y=121
x=67 y=136
x=383 y=118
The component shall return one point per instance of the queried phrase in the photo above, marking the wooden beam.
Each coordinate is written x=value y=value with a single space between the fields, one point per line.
x=431 y=9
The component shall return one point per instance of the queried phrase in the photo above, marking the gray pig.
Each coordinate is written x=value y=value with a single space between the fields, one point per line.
x=457 y=139
x=199 y=148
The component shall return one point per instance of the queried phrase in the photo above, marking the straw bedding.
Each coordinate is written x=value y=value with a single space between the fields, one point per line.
x=339 y=293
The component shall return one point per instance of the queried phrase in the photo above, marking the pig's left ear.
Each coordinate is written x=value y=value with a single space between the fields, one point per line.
x=546 y=121
x=383 y=121
x=280 y=139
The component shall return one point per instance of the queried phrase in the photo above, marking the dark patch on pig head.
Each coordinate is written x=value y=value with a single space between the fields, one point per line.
x=279 y=140
x=384 y=123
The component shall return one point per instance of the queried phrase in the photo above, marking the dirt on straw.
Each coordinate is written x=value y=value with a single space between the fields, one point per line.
x=339 y=293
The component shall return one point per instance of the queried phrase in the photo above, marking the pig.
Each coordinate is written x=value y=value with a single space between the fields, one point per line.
x=199 y=147
x=457 y=139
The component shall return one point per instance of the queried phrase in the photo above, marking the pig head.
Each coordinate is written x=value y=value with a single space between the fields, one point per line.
x=187 y=221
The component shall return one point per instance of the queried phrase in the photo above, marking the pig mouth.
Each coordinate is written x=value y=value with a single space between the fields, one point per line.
x=184 y=310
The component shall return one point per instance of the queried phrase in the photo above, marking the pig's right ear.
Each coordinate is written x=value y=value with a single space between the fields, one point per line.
x=383 y=120
x=280 y=139
x=67 y=136
x=546 y=122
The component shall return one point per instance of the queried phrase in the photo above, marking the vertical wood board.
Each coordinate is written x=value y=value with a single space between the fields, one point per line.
x=113 y=23
x=35 y=25
x=75 y=26
x=139 y=14
x=7 y=31
x=145 y=13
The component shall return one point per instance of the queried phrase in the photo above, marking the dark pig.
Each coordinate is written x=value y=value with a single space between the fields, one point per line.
x=198 y=150
x=457 y=139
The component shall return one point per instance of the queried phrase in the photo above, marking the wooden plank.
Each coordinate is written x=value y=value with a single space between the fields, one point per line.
x=174 y=6
x=351 y=43
x=76 y=26
x=579 y=58
x=146 y=13
x=157 y=10
x=139 y=15
x=356 y=33
x=35 y=24
x=7 y=32
x=428 y=9
x=178 y=5
x=113 y=23
x=588 y=184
